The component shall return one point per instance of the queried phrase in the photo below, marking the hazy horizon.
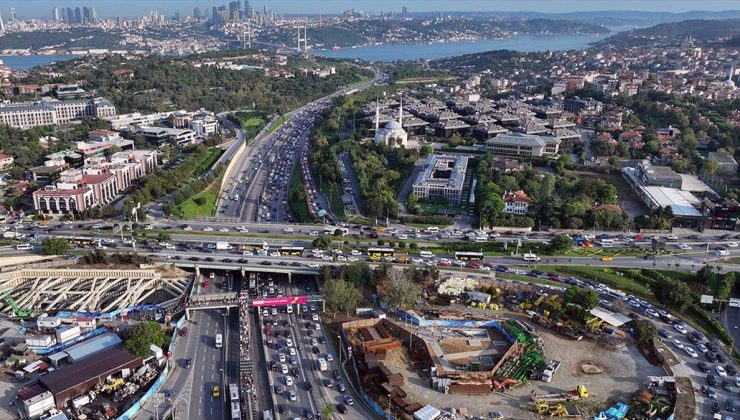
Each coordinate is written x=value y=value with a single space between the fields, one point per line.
x=130 y=8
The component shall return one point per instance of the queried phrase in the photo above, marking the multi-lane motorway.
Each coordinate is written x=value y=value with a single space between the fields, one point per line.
x=257 y=185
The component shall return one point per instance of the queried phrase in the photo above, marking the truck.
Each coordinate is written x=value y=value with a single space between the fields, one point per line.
x=550 y=370
x=577 y=394
x=531 y=257
x=223 y=246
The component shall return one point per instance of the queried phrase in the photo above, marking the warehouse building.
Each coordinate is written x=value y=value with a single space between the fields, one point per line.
x=86 y=349
x=72 y=381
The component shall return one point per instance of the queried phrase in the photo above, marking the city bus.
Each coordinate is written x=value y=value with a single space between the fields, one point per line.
x=330 y=231
x=469 y=256
x=236 y=412
x=291 y=250
x=219 y=340
x=80 y=241
x=377 y=253
x=234 y=392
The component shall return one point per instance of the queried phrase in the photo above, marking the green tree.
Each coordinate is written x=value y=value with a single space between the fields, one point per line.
x=726 y=285
x=359 y=273
x=585 y=298
x=412 y=201
x=413 y=246
x=328 y=411
x=54 y=246
x=142 y=336
x=645 y=332
x=342 y=296
x=704 y=275
x=426 y=150
x=398 y=291
x=710 y=166
x=323 y=242
x=561 y=243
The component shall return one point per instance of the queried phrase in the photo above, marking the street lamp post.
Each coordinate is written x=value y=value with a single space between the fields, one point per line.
x=389 y=406
x=341 y=348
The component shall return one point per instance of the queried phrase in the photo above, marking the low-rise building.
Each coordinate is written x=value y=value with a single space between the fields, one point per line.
x=657 y=176
x=442 y=178
x=518 y=144
x=516 y=202
x=6 y=160
x=727 y=163
x=163 y=135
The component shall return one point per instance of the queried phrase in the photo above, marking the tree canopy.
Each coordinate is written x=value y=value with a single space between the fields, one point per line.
x=142 y=336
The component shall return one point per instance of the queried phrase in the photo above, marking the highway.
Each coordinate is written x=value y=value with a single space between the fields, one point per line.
x=257 y=185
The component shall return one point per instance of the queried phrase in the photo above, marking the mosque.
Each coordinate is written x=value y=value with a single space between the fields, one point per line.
x=392 y=134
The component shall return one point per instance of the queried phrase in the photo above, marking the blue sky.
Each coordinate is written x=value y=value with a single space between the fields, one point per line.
x=42 y=8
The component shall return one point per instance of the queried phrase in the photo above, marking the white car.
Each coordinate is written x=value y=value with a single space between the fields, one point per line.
x=685 y=247
x=672 y=237
x=691 y=352
x=329 y=357
x=242 y=229
x=281 y=358
x=291 y=351
x=223 y=230
x=652 y=313
x=273 y=311
x=680 y=328
x=494 y=235
x=678 y=344
x=207 y=229
x=284 y=369
x=187 y=228
x=720 y=371
x=313 y=265
x=289 y=342
x=288 y=230
x=289 y=380
x=292 y=396
x=97 y=226
x=314 y=317
x=731 y=244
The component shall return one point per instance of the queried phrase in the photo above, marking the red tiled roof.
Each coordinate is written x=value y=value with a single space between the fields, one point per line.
x=61 y=193
x=516 y=197
x=97 y=179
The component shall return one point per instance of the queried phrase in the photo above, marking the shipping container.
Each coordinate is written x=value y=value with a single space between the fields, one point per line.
x=44 y=341
x=48 y=322
x=67 y=333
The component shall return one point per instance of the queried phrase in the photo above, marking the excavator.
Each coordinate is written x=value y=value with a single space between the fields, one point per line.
x=21 y=313
x=505 y=384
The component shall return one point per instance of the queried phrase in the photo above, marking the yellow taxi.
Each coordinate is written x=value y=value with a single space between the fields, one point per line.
x=216 y=391
x=607 y=258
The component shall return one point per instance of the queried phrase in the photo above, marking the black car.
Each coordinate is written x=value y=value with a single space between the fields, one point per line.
x=711 y=357
x=209 y=259
x=336 y=375
x=309 y=386
x=341 y=408
x=341 y=387
x=730 y=369
x=307 y=413
x=315 y=350
x=273 y=365
x=711 y=380
x=187 y=363
x=703 y=367
x=295 y=372
x=715 y=407
x=327 y=382
x=712 y=347
x=266 y=262
x=727 y=386
x=281 y=408
x=665 y=333
x=322 y=340
x=720 y=358
x=730 y=405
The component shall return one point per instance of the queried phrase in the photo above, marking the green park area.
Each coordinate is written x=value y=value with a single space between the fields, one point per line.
x=297 y=197
x=202 y=204
x=209 y=158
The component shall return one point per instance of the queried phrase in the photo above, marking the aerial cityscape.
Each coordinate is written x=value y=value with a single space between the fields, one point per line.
x=263 y=210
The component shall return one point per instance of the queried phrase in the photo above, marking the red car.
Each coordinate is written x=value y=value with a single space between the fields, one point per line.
x=473 y=265
x=444 y=264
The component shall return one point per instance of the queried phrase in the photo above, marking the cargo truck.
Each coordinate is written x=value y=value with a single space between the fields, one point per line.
x=223 y=246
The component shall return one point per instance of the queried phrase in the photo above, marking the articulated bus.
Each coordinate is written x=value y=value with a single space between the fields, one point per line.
x=81 y=241
x=377 y=253
x=236 y=412
x=469 y=256
x=291 y=250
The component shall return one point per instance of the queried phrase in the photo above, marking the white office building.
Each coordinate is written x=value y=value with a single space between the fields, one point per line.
x=442 y=178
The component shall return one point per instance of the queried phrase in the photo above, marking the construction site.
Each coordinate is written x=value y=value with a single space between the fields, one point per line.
x=534 y=359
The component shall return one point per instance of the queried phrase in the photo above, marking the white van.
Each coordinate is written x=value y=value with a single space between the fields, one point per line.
x=323 y=366
x=23 y=247
x=531 y=257
x=432 y=229
x=606 y=243
x=426 y=254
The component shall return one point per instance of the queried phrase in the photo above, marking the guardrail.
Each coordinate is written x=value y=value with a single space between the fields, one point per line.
x=154 y=389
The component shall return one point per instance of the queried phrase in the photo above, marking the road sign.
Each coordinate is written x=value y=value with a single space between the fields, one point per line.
x=735 y=303
x=322 y=213
x=707 y=298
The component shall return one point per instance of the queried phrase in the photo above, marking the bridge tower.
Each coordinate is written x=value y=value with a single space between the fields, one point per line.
x=302 y=40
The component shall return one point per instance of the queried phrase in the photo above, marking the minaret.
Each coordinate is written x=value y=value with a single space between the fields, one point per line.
x=377 y=116
x=2 y=25
x=400 y=113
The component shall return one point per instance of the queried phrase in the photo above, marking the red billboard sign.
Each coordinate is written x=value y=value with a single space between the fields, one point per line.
x=287 y=300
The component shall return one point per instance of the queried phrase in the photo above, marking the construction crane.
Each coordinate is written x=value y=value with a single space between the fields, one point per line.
x=22 y=313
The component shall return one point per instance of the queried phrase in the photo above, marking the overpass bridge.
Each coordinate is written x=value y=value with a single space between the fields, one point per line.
x=233 y=300
x=247 y=268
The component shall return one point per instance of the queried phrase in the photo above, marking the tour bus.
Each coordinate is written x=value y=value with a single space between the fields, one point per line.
x=469 y=256
x=426 y=254
x=291 y=250
x=23 y=247
x=377 y=253
x=219 y=340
